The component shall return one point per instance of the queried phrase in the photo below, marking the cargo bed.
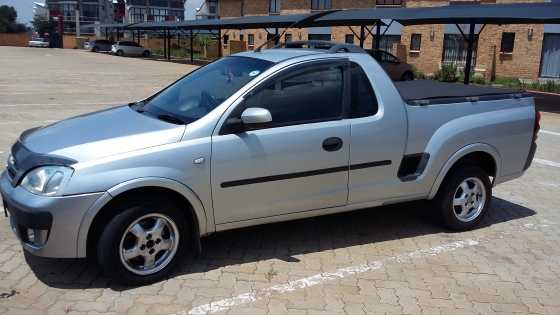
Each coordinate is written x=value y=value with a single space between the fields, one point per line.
x=427 y=92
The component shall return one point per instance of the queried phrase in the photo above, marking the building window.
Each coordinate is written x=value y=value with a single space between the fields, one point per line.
x=415 y=42
x=508 y=40
x=455 y=50
x=288 y=38
x=226 y=39
x=389 y=2
x=274 y=6
x=349 y=38
x=321 y=4
x=251 y=39
x=326 y=37
x=241 y=37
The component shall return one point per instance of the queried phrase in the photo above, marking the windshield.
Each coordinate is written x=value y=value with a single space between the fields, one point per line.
x=198 y=93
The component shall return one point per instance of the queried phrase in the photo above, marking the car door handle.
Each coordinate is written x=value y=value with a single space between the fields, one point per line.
x=332 y=144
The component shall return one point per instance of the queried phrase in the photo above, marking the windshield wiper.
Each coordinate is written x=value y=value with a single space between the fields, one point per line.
x=171 y=119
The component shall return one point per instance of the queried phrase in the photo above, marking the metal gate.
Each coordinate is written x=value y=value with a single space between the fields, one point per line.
x=455 y=50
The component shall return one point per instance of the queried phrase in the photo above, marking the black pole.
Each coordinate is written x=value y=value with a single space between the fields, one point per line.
x=220 y=43
x=362 y=35
x=468 y=64
x=192 y=51
x=378 y=35
x=168 y=45
x=138 y=36
x=276 y=39
x=164 y=43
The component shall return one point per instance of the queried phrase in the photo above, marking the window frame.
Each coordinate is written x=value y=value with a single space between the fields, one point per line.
x=508 y=34
x=250 y=40
x=412 y=36
x=321 y=5
x=286 y=73
x=274 y=6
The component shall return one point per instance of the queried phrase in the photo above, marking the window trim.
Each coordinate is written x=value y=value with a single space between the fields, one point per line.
x=419 y=48
x=289 y=71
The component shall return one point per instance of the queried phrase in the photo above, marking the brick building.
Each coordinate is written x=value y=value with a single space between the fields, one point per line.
x=521 y=51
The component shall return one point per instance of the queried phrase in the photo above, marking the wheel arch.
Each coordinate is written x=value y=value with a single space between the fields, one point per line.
x=486 y=155
x=100 y=213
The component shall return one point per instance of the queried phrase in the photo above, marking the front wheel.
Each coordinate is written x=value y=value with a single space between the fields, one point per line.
x=120 y=53
x=143 y=242
x=146 y=54
x=463 y=198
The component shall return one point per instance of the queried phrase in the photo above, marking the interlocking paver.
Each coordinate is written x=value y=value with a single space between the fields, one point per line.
x=514 y=268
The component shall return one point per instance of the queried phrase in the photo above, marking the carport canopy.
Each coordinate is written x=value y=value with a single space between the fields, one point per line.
x=527 y=13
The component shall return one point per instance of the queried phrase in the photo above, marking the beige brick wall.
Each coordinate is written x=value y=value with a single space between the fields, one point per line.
x=523 y=63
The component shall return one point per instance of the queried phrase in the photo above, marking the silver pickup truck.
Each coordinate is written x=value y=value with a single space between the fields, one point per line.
x=254 y=138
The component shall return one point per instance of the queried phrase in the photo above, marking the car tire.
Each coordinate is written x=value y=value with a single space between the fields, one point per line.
x=146 y=54
x=143 y=242
x=95 y=49
x=120 y=53
x=407 y=76
x=463 y=198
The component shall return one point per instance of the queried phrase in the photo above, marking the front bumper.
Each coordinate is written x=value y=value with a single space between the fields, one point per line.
x=55 y=221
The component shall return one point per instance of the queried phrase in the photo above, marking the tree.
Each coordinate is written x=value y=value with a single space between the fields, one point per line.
x=8 y=21
x=43 y=26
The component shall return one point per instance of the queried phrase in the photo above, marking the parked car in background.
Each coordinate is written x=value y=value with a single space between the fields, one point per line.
x=39 y=42
x=396 y=69
x=254 y=138
x=99 y=45
x=130 y=49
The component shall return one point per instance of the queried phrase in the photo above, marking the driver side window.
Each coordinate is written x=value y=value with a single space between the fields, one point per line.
x=311 y=95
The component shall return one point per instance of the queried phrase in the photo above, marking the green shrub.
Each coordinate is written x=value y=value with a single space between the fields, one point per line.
x=447 y=73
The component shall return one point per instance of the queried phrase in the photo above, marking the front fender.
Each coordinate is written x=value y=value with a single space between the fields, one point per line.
x=471 y=148
x=204 y=224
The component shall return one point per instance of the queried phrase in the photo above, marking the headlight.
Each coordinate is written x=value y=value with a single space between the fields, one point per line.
x=47 y=180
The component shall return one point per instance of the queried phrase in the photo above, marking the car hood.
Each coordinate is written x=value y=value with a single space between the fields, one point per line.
x=101 y=134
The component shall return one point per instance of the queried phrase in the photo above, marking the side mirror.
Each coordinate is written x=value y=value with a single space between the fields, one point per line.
x=251 y=118
x=256 y=116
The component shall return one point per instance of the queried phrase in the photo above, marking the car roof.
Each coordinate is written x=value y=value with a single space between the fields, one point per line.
x=279 y=54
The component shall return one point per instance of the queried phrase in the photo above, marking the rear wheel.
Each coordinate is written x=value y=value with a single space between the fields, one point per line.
x=146 y=53
x=95 y=49
x=463 y=198
x=143 y=242
x=407 y=76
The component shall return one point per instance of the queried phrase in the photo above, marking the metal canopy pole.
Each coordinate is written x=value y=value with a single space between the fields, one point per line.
x=220 y=43
x=468 y=64
x=378 y=35
x=138 y=36
x=192 y=48
x=164 y=43
x=276 y=39
x=168 y=44
x=362 y=36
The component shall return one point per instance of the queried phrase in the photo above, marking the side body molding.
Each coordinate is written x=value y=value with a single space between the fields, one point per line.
x=471 y=148
x=204 y=226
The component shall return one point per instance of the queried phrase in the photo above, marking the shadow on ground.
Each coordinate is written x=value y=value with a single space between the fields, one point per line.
x=549 y=103
x=283 y=241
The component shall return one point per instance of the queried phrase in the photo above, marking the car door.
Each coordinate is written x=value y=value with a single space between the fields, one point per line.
x=297 y=163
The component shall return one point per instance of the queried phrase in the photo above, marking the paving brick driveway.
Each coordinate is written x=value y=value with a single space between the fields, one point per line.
x=392 y=259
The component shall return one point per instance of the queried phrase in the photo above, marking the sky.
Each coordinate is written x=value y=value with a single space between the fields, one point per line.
x=25 y=8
